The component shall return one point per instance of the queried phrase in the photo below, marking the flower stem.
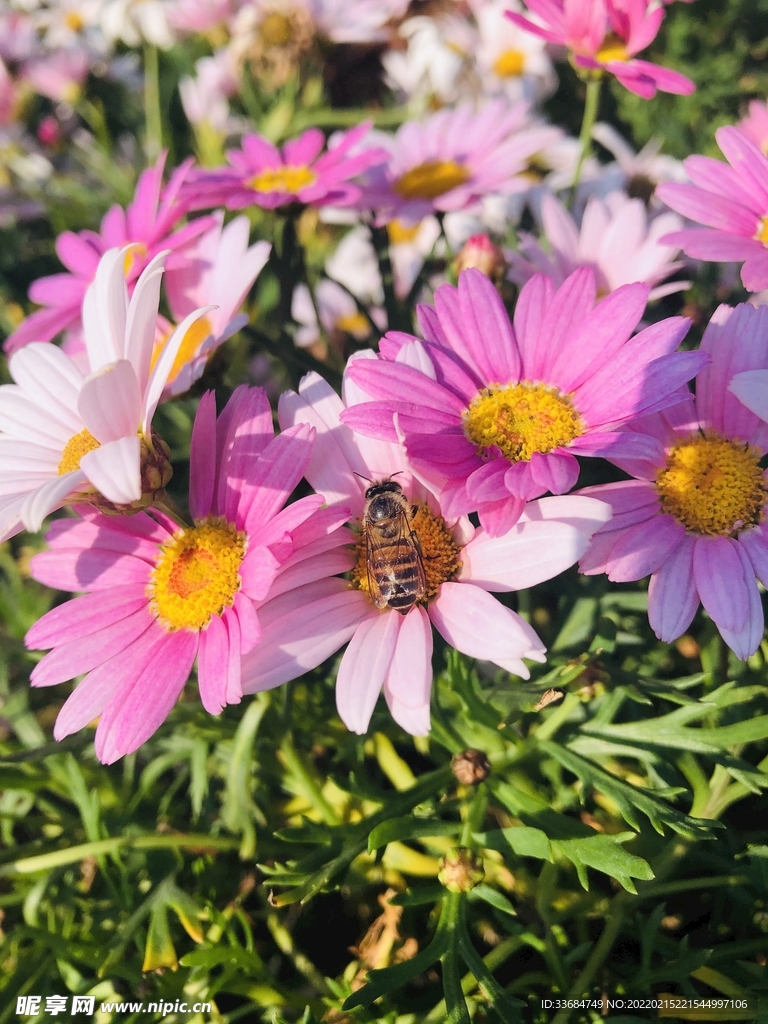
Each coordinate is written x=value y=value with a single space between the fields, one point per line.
x=591 y=104
x=168 y=506
x=153 y=118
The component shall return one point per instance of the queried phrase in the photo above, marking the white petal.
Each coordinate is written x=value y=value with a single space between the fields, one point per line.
x=49 y=497
x=50 y=379
x=104 y=310
x=114 y=469
x=142 y=318
x=110 y=403
x=164 y=365
x=22 y=419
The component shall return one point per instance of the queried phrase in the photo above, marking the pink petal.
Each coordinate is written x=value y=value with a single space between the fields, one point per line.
x=87 y=570
x=751 y=389
x=145 y=702
x=250 y=627
x=248 y=435
x=257 y=572
x=275 y=474
x=84 y=616
x=719 y=575
x=364 y=667
x=212 y=662
x=672 y=594
x=202 y=458
x=476 y=624
x=744 y=642
x=498 y=517
x=234 y=688
x=555 y=471
x=409 y=679
x=641 y=549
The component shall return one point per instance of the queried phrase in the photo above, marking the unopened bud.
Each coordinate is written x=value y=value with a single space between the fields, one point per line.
x=480 y=252
x=156 y=472
x=460 y=870
x=470 y=767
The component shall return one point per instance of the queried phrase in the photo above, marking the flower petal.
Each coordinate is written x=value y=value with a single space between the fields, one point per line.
x=364 y=668
x=672 y=594
x=114 y=469
x=719 y=575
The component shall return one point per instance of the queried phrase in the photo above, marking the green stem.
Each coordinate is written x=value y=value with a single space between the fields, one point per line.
x=168 y=506
x=153 y=118
x=591 y=104
x=309 y=786
x=380 y=240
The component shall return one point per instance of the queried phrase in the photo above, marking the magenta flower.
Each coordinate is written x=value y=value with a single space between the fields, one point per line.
x=492 y=414
x=158 y=596
x=616 y=238
x=148 y=223
x=260 y=174
x=389 y=650
x=605 y=35
x=451 y=159
x=732 y=201
x=755 y=125
x=694 y=517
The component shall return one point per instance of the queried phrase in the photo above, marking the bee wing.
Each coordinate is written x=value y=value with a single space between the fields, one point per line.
x=421 y=574
x=372 y=543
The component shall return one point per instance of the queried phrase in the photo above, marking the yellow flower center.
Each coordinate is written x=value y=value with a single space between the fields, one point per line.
x=190 y=346
x=431 y=179
x=401 y=234
x=283 y=179
x=197 y=574
x=612 y=49
x=520 y=419
x=354 y=324
x=74 y=21
x=275 y=30
x=439 y=553
x=75 y=448
x=762 y=230
x=712 y=486
x=510 y=64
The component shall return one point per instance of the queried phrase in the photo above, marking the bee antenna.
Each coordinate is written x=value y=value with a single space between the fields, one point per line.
x=366 y=478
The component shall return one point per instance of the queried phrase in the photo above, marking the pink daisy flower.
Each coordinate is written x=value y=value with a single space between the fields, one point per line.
x=493 y=414
x=605 y=35
x=694 y=517
x=87 y=436
x=732 y=201
x=260 y=174
x=147 y=225
x=616 y=238
x=451 y=159
x=158 y=596
x=390 y=650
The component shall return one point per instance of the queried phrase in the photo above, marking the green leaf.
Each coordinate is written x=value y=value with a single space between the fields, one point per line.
x=524 y=840
x=379 y=982
x=418 y=897
x=630 y=799
x=605 y=853
x=399 y=829
x=493 y=897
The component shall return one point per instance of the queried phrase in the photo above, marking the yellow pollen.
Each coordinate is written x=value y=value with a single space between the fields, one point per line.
x=275 y=30
x=354 y=324
x=510 y=64
x=430 y=180
x=439 y=553
x=712 y=486
x=283 y=179
x=401 y=234
x=612 y=49
x=762 y=230
x=520 y=419
x=190 y=346
x=75 y=448
x=197 y=574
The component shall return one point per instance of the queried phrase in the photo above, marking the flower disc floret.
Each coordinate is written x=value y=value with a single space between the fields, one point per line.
x=762 y=230
x=439 y=553
x=713 y=486
x=283 y=179
x=76 y=447
x=197 y=574
x=520 y=419
x=431 y=179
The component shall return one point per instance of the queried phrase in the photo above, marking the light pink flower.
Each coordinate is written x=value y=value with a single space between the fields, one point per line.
x=260 y=174
x=494 y=414
x=732 y=201
x=755 y=125
x=616 y=238
x=219 y=273
x=451 y=159
x=389 y=650
x=66 y=433
x=148 y=223
x=694 y=517
x=159 y=596
x=605 y=35
x=59 y=75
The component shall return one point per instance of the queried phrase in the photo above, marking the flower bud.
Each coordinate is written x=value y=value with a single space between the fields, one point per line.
x=470 y=767
x=460 y=870
x=483 y=254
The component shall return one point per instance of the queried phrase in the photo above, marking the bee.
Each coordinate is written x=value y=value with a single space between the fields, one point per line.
x=393 y=559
